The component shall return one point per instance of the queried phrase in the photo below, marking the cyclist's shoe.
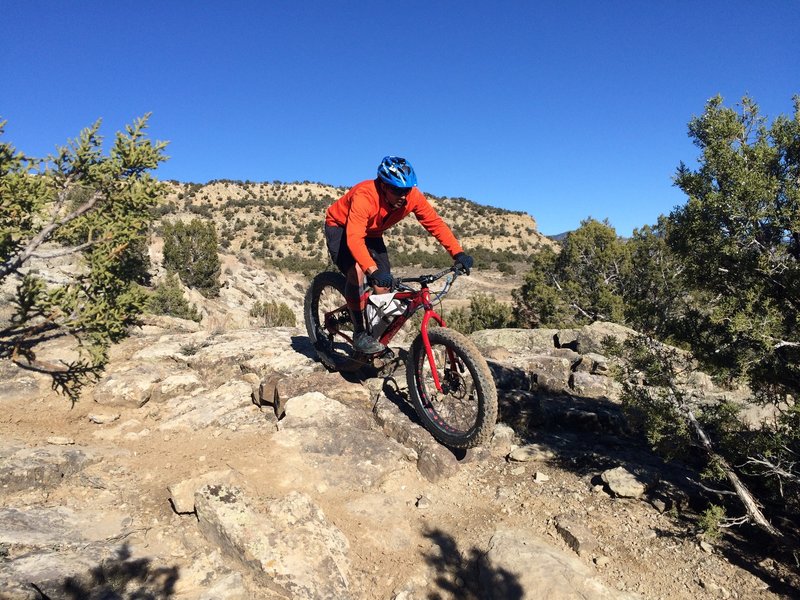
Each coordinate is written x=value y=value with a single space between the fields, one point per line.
x=367 y=344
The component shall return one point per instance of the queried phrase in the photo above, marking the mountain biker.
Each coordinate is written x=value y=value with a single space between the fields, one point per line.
x=354 y=227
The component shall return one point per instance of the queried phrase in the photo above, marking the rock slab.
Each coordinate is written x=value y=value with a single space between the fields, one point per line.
x=289 y=548
x=521 y=565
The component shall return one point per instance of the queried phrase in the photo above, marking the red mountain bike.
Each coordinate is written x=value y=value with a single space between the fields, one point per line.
x=449 y=382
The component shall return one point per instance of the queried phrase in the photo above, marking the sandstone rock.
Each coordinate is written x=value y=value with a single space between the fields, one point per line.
x=103 y=418
x=129 y=384
x=591 y=362
x=316 y=409
x=531 y=452
x=502 y=441
x=19 y=384
x=623 y=483
x=435 y=462
x=152 y=324
x=344 y=445
x=48 y=570
x=567 y=338
x=179 y=383
x=572 y=356
x=60 y=440
x=59 y=526
x=514 y=340
x=521 y=565
x=588 y=385
x=171 y=347
x=550 y=372
x=590 y=338
x=181 y=494
x=497 y=353
x=577 y=535
x=229 y=405
x=230 y=587
x=41 y=468
x=511 y=377
x=291 y=550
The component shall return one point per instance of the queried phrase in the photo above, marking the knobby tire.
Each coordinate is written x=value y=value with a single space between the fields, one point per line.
x=335 y=353
x=464 y=418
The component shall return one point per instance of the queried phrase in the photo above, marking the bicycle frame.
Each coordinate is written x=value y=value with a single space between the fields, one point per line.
x=416 y=299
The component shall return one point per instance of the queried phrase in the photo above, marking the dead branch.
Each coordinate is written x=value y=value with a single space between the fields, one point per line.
x=15 y=262
x=747 y=499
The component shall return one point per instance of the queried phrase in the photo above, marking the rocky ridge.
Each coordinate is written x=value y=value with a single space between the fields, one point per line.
x=174 y=477
x=274 y=221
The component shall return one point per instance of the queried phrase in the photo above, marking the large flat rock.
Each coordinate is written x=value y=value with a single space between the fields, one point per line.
x=289 y=548
x=521 y=565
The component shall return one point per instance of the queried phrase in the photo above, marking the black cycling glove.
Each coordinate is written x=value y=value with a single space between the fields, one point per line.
x=380 y=279
x=465 y=260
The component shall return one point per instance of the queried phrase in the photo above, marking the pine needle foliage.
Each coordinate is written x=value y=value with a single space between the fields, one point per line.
x=90 y=207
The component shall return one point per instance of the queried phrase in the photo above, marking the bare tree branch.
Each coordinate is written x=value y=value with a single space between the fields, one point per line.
x=17 y=261
x=750 y=503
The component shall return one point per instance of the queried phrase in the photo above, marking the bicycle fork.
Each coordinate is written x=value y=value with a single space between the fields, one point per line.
x=451 y=357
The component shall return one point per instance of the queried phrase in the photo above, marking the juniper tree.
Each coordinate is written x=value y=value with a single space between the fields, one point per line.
x=190 y=250
x=84 y=204
x=583 y=283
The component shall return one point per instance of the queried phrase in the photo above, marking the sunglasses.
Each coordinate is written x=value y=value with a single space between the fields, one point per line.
x=398 y=191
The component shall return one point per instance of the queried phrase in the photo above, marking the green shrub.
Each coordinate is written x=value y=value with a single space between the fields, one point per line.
x=274 y=314
x=484 y=312
x=710 y=522
x=191 y=251
x=167 y=299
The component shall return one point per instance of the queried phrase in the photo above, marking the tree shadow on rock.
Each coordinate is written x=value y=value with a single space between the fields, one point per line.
x=119 y=578
x=466 y=575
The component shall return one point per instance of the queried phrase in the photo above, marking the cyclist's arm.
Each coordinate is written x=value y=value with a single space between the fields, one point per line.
x=361 y=209
x=433 y=223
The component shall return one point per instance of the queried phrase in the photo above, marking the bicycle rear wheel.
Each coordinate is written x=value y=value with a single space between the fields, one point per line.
x=328 y=322
x=463 y=414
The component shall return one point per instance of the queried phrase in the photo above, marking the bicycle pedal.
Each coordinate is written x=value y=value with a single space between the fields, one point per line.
x=387 y=354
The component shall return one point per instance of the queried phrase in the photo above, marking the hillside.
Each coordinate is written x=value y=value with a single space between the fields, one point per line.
x=282 y=223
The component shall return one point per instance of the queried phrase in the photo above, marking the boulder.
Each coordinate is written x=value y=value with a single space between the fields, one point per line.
x=514 y=340
x=550 y=373
x=623 y=483
x=290 y=548
x=588 y=385
x=521 y=565
x=129 y=384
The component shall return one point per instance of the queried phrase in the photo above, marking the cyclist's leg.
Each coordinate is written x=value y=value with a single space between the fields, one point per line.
x=354 y=277
x=354 y=287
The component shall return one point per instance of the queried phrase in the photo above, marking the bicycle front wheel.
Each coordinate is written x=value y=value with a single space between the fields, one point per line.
x=463 y=413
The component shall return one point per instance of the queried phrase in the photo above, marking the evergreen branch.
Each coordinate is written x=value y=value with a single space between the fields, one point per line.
x=14 y=263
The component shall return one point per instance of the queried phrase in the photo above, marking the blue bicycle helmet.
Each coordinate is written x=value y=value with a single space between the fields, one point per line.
x=397 y=171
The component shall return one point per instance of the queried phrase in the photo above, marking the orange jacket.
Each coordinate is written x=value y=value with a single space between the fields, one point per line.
x=364 y=214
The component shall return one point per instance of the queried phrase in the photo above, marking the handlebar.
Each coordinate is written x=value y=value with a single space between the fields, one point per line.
x=425 y=280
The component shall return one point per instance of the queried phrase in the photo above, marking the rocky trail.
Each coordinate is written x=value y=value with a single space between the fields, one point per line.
x=173 y=478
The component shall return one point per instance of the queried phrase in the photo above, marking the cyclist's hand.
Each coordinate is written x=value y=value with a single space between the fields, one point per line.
x=380 y=278
x=465 y=260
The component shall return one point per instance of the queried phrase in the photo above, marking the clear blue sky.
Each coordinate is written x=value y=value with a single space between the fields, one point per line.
x=563 y=109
